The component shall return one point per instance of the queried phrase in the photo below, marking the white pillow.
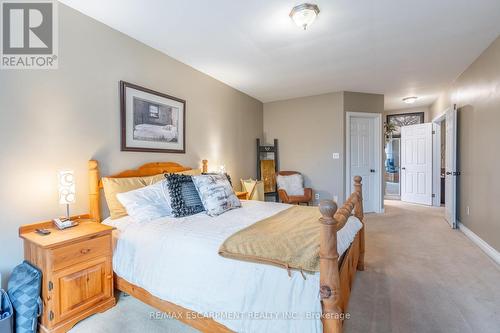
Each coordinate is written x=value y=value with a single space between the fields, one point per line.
x=293 y=184
x=147 y=203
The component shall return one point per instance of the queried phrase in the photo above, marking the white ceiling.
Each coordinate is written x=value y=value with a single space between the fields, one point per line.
x=393 y=47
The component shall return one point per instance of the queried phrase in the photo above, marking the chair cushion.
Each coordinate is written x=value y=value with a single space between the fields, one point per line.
x=292 y=184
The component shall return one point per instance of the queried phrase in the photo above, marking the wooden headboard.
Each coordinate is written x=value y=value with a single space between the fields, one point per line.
x=148 y=169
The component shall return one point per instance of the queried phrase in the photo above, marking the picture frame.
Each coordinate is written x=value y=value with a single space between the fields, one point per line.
x=151 y=121
x=404 y=119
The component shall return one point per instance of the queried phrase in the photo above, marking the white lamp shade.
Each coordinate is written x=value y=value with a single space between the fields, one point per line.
x=66 y=187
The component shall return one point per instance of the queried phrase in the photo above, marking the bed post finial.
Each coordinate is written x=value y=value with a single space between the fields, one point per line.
x=358 y=212
x=358 y=188
x=329 y=269
x=328 y=208
x=94 y=202
x=204 y=167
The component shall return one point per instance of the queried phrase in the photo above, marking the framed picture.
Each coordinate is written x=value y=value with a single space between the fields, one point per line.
x=404 y=119
x=151 y=121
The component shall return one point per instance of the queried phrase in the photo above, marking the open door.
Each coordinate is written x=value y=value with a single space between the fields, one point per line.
x=451 y=168
x=416 y=164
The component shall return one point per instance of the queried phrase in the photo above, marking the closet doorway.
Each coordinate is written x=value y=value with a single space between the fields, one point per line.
x=363 y=157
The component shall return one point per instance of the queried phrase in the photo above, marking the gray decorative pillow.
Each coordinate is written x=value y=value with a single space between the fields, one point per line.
x=184 y=197
x=216 y=193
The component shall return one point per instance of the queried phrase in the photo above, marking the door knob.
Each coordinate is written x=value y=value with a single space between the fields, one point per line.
x=448 y=173
x=403 y=168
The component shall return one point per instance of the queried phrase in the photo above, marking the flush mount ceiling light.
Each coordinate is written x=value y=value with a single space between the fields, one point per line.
x=410 y=100
x=304 y=15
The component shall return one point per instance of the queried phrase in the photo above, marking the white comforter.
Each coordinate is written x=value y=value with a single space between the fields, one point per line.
x=176 y=259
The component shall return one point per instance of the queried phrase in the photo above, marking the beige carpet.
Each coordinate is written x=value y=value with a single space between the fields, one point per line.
x=421 y=277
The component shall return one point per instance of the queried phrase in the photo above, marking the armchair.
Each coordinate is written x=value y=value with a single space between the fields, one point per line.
x=290 y=197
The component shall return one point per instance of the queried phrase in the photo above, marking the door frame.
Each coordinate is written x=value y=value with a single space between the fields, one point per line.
x=377 y=133
x=436 y=158
x=437 y=166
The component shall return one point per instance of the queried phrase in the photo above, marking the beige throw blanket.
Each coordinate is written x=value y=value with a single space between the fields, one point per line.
x=289 y=239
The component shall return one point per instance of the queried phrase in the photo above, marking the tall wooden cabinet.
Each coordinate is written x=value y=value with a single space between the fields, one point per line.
x=76 y=264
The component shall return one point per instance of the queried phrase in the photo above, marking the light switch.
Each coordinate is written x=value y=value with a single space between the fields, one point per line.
x=336 y=156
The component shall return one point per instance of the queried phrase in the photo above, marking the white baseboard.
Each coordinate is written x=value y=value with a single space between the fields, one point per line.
x=491 y=252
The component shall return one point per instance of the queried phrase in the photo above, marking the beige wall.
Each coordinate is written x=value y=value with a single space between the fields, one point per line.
x=477 y=95
x=57 y=119
x=362 y=102
x=310 y=130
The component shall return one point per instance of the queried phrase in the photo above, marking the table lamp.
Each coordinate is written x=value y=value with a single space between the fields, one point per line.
x=66 y=189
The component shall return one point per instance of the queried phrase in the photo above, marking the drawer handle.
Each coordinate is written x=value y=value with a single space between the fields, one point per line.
x=84 y=251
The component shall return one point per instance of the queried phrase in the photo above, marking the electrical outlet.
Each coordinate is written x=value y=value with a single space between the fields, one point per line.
x=336 y=156
x=316 y=196
x=467 y=210
x=336 y=198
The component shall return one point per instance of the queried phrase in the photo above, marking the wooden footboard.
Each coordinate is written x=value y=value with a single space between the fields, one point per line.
x=335 y=281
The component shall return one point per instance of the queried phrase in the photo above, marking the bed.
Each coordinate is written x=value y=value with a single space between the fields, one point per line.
x=173 y=265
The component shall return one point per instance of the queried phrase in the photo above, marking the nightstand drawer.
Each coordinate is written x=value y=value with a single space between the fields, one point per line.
x=78 y=252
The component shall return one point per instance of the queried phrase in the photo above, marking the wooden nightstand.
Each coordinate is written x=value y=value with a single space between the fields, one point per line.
x=77 y=271
x=242 y=195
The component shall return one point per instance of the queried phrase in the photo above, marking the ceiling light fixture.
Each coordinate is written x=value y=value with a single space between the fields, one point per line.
x=410 y=100
x=304 y=15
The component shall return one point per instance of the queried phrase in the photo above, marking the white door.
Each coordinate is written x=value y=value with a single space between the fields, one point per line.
x=416 y=164
x=450 y=196
x=363 y=161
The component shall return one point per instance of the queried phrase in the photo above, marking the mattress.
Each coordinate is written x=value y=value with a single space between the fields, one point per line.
x=176 y=259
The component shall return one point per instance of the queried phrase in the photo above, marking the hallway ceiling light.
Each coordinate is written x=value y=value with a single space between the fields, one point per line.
x=410 y=100
x=304 y=15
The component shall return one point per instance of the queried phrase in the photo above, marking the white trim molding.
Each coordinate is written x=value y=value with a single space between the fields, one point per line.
x=436 y=158
x=491 y=252
x=436 y=164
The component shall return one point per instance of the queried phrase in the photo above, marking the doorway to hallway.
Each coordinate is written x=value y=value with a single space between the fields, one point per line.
x=395 y=121
x=392 y=169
